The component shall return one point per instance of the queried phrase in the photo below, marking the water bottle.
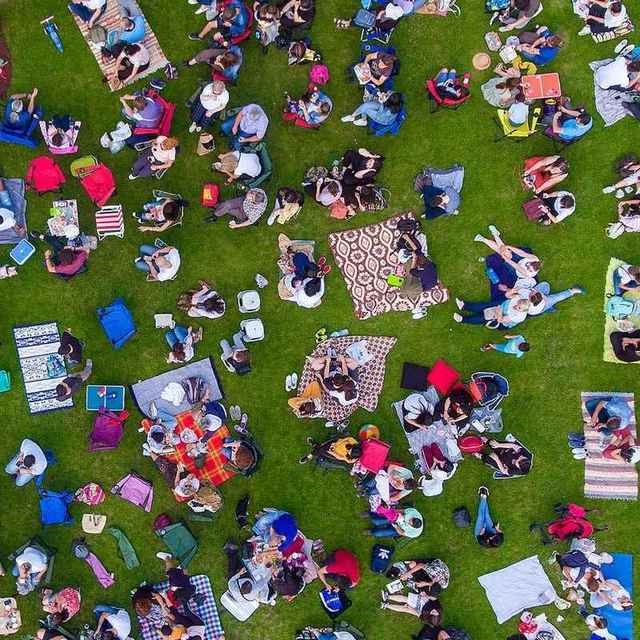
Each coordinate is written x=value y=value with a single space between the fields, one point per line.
x=493 y=276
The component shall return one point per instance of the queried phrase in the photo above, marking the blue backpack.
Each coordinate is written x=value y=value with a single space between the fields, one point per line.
x=619 y=308
x=381 y=558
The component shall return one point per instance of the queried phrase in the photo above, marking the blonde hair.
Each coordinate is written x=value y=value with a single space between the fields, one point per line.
x=169 y=143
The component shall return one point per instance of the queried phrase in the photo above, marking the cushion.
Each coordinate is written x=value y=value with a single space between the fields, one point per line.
x=374 y=455
x=414 y=377
x=443 y=377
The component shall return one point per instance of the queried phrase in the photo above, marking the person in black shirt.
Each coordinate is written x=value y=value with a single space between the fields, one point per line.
x=70 y=348
x=626 y=346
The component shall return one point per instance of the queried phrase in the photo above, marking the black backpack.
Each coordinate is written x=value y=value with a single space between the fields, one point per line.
x=381 y=558
x=461 y=517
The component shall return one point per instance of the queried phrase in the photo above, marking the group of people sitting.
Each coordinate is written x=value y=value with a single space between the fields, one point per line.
x=516 y=292
x=625 y=340
x=601 y=17
x=349 y=186
x=540 y=175
x=628 y=184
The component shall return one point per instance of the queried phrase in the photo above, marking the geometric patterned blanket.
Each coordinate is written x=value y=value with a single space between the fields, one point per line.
x=604 y=478
x=213 y=468
x=206 y=610
x=370 y=376
x=366 y=257
x=111 y=21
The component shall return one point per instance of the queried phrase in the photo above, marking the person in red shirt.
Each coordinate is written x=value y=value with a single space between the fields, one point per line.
x=67 y=262
x=341 y=572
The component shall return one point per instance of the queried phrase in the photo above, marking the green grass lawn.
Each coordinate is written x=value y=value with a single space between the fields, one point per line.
x=566 y=355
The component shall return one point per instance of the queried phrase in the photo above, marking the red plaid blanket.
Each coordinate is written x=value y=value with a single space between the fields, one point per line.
x=213 y=469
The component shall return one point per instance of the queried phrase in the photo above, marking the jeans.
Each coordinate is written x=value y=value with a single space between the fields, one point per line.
x=226 y=128
x=554 y=298
x=483 y=519
x=83 y=12
x=12 y=469
x=381 y=527
x=176 y=335
x=227 y=451
x=166 y=419
x=228 y=350
x=144 y=250
x=301 y=264
x=445 y=76
x=99 y=609
x=376 y=111
x=5 y=200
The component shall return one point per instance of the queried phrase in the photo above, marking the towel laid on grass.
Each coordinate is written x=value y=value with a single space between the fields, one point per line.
x=611 y=325
x=619 y=623
x=609 y=102
x=519 y=586
x=604 y=478
x=111 y=21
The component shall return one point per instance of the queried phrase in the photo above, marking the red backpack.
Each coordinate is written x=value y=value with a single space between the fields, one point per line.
x=44 y=175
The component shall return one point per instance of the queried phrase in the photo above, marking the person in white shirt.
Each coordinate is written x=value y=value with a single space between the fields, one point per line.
x=236 y=164
x=88 y=10
x=620 y=74
x=159 y=156
x=212 y=100
x=28 y=463
x=112 y=621
x=161 y=264
x=306 y=293
x=31 y=566
x=604 y=16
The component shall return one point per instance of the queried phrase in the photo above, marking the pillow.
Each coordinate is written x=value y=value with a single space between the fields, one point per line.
x=374 y=455
x=443 y=377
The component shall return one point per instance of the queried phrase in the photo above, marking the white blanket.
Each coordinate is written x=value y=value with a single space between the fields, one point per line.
x=519 y=586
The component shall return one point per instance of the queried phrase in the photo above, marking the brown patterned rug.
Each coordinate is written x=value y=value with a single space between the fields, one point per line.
x=366 y=256
x=370 y=376
x=110 y=21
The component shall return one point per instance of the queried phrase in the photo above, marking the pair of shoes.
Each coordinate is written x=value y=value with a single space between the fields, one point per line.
x=241 y=427
x=194 y=36
x=483 y=491
x=347 y=118
x=619 y=193
x=459 y=304
x=609 y=189
x=235 y=412
x=360 y=122
x=585 y=31
x=418 y=314
x=621 y=45
x=291 y=381
x=457 y=317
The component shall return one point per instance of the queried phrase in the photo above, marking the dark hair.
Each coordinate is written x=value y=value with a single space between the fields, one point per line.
x=616 y=7
x=355 y=450
x=307 y=408
x=535 y=264
x=462 y=398
x=521 y=4
x=312 y=287
x=436 y=201
x=157 y=436
x=139 y=102
x=634 y=65
x=183 y=594
x=66 y=256
x=496 y=539
x=434 y=589
x=509 y=83
x=171 y=210
x=627 y=453
x=415 y=522
x=567 y=201
x=614 y=422
x=339 y=380
x=131 y=49
x=28 y=460
x=409 y=484
x=228 y=13
x=178 y=351
x=241 y=356
x=57 y=139
x=535 y=298
x=447 y=466
x=244 y=458
x=431 y=613
x=394 y=102
x=340 y=581
x=228 y=59
x=583 y=118
x=349 y=389
x=524 y=466
x=214 y=304
x=524 y=346
x=165 y=629
x=246 y=587
x=131 y=24
x=333 y=187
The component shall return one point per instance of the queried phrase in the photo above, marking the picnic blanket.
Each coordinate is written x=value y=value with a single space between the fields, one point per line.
x=519 y=586
x=619 y=623
x=205 y=608
x=213 y=469
x=37 y=346
x=146 y=391
x=111 y=21
x=15 y=188
x=125 y=548
x=366 y=256
x=370 y=376
x=611 y=325
x=603 y=478
x=609 y=102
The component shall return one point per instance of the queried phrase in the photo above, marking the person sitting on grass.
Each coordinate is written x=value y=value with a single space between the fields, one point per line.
x=425 y=607
x=626 y=345
x=60 y=605
x=390 y=485
x=287 y=206
x=89 y=11
x=62 y=260
x=245 y=210
x=450 y=86
x=486 y=532
x=248 y=126
x=72 y=384
x=375 y=68
x=29 y=463
x=337 y=375
x=570 y=124
x=211 y=101
x=144 y=110
x=525 y=265
x=517 y=14
x=505 y=315
x=540 y=46
x=70 y=348
x=236 y=356
x=159 y=264
x=608 y=415
x=131 y=62
x=204 y=302
x=543 y=172
x=230 y=23
x=555 y=207
x=181 y=341
x=604 y=16
x=158 y=156
x=513 y=345
x=396 y=523
x=113 y=622
x=226 y=62
x=501 y=91
x=314 y=106
x=267 y=22
x=30 y=567
x=386 y=19
x=17 y=118
x=159 y=214
x=508 y=458
x=238 y=165
x=383 y=110
x=344 y=450
x=296 y=15
x=629 y=170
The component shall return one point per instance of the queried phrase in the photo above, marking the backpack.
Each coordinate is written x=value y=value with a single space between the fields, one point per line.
x=162 y=522
x=377 y=198
x=43 y=175
x=381 y=558
x=195 y=389
x=79 y=548
x=619 y=308
x=461 y=517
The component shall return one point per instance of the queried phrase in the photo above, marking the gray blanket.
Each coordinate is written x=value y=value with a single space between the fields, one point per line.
x=609 y=102
x=15 y=188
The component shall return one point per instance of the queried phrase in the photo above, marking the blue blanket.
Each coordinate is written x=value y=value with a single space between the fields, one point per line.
x=619 y=623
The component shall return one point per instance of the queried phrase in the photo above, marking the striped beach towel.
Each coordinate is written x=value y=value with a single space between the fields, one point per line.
x=603 y=478
x=111 y=21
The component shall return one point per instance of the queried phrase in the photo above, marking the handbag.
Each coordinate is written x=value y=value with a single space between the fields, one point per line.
x=534 y=209
x=365 y=19
x=98 y=34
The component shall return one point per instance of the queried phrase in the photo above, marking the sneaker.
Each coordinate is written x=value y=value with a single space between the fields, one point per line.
x=619 y=193
x=494 y=231
x=272 y=217
x=304 y=460
x=384 y=595
x=287 y=383
x=105 y=141
x=629 y=189
x=261 y=281
x=132 y=177
x=146 y=451
x=478 y=238
x=194 y=36
x=585 y=31
x=361 y=122
x=608 y=190
x=621 y=45
x=347 y=118
x=242 y=426
x=294 y=380
x=459 y=304
x=163 y=555
x=578 y=450
x=493 y=18
x=152 y=410
x=192 y=128
x=193 y=1
x=457 y=317
x=235 y=412
x=329 y=424
x=483 y=491
x=418 y=314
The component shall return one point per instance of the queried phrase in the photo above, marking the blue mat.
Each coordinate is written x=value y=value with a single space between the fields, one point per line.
x=619 y=623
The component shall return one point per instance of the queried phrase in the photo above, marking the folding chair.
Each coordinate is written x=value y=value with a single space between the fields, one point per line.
x=520 y=132
x=110 y=222
x=159 y=194
x=40 y=545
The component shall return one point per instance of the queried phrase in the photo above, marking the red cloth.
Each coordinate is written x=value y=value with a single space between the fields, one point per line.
x=344 y=563
x=470 y=444
x=443 y=377
x=570 y=527
x=432 y=453
x=100 y=184
x=77 y=263
x=374 y=455
x=43 y=174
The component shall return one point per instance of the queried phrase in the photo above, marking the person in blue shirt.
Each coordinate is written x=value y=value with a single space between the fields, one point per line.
x=513 y=345
x=17 y=115
x=607 y=415
x=540 y=46
x=230 y=23
x=570 y=124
